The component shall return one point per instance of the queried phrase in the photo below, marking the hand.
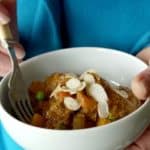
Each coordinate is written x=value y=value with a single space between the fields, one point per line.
x=141 y=88
x=8 y=15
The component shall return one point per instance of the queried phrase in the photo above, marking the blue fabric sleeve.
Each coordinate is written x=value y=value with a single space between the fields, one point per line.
x=6 y=141
x=143 y=42
x=39 y=25
x=46 y=25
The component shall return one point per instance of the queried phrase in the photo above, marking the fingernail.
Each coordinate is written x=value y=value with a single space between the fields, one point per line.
x=139 y=88
x=4 y=19
x=20 y=53
x=143 y=88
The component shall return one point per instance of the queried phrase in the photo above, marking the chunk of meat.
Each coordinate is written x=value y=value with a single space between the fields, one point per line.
x=88 y=105
x=38 y=120
x=79 y=121
x=120 y=106
x=53 y=80
x=41 y=107
x=102 y=121
x=62 y=95
x=57 y=115
x=36 y=86
x=33 y=89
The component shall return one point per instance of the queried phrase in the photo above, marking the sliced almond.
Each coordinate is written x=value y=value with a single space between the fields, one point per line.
x=102 y=109
x=70 y=75
x=71 y=103
x=96 y=91
x=91 y=71
x=122 y=93
x=82 y=86
x=94 y=73
x=88 y=78
x=60 y=88
x=116 y=87
x=73 y=84
x=55 y=91
x=65 y=89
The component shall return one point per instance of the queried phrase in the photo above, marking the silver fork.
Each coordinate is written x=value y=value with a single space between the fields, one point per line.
x=18 y=94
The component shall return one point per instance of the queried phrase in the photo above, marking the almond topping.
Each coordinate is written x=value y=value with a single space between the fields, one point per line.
x=88 y=78
x=73 y=84
x=102 y=109
x=96 y=91
x=71 y=103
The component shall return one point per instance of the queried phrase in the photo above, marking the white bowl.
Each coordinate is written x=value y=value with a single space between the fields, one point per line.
x=110 y=64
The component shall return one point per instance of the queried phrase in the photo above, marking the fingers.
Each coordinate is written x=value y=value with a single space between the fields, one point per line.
x=4 y=64
x=10 y=7
x=142 y=143
x=141 y=84
x=133 y=147
x=19 y=50
x=145 y=55
x=4 y=15
x=8 y=15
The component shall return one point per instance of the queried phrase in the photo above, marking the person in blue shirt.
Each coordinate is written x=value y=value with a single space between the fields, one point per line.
x=53 y=24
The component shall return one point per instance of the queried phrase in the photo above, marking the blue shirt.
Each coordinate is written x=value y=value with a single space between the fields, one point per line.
x=47 y=25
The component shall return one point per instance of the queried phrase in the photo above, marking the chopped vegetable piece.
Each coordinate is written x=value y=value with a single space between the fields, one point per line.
x=103 y=121
x=79 y=121
x=36 y=86
x=40 y=95
x=111 y=117
x=61 y=126
x=37 y=120
x=88 y=104
x=62 y=95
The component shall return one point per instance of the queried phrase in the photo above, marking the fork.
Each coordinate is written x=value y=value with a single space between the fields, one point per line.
x=18 y=94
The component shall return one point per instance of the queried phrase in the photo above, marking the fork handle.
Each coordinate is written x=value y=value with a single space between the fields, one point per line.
x=7 y=41
x=5 y=32
x=6 y=36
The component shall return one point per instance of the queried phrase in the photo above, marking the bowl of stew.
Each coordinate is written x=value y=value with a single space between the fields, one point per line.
x=81 y=99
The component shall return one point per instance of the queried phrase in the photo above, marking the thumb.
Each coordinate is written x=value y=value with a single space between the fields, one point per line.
x=4 y=15
x=141 y=84
x=8 y=14
x=10 y=5
x=19 y=50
